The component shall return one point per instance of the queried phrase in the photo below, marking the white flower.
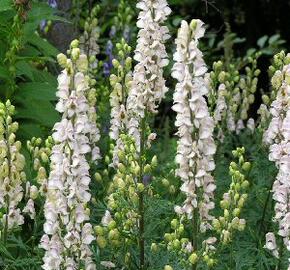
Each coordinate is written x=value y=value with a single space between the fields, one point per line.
x=66 y=226
x=106 y=219
x=251 y=124
x=278 y=137
x=271 y=244
x=196 y=146
x=108 y=264
x=29 y=209
x=148 y=85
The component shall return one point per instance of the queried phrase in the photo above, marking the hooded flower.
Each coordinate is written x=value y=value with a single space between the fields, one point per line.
x=12 y=174
x=68 y=232
x=148 y=86
x=196 y=146
x=278 y=137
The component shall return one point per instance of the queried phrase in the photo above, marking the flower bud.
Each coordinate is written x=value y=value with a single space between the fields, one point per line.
x=193 y=258
x=154 y=247
x=62 y=60
x=174 y=224
x=101 y=241
x=33 y=192
x=98 y=177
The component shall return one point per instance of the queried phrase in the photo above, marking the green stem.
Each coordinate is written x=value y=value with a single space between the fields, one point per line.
x=195 y=234
x=141 y=195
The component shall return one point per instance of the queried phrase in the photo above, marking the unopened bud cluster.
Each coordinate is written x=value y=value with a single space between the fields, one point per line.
x=120 y=81
x=232 y=94
x=234 y=199
x=12 y=175
x=120 y=222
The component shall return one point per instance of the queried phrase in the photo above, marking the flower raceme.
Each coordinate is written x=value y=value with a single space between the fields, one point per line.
x=148 y=85
x=68 y=232
x=196 y=147
x=278 y=136
x=12 y=174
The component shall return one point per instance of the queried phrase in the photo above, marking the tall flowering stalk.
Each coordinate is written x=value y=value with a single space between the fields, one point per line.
x=90 y=48
x=195 y=147
x=277 y=136
x=120 y=82
x=68 y=232
x=145 y=93
x=148 y=87
x=232 y=92
x=12 y=174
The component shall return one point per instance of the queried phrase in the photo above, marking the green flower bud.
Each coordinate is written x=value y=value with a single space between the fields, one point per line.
x=154 y=247
x=245 y=184
x=226 y=213
x=147 y=168
x=165 y=182
x=167 y=237
x=62 y=60
x=168 y=267
x=193 y=258
x=98 y=177
x=75 y=44
x=75 y=53
x=99 y=230
x=154 y=161
x=115 y=63
x=210 y=262
x=172 y=189
x=101 y=241
x=246 y=166
x=193 y=25
x=140 y=187
x=114 y=234
x=216 y=224
x=236 y=212
x=180 y=229
x=112 y=225
x=174 y=223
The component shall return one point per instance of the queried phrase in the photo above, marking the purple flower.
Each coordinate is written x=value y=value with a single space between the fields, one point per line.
x=109 y=48
x=146 y=179
x=113 y=31
x=52 y=3
x=127 y=33
x=42 y=25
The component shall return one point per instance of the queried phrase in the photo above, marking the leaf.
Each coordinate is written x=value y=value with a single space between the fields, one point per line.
x=36 y=90
x=262 y=41
x=38 y=13
x=273 y=39
x=5 y=5
x=23 y=68
x=41 y=111
x=45 y=47
x=27 y=130
x=4 y=74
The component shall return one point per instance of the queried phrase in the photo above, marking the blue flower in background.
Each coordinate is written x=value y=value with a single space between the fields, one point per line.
x=113 y=31
x=42 y=24
x=108 y=65
x=52 y=3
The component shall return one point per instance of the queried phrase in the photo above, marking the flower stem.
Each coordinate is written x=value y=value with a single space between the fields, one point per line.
x=195 y=234
x=141 y=195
